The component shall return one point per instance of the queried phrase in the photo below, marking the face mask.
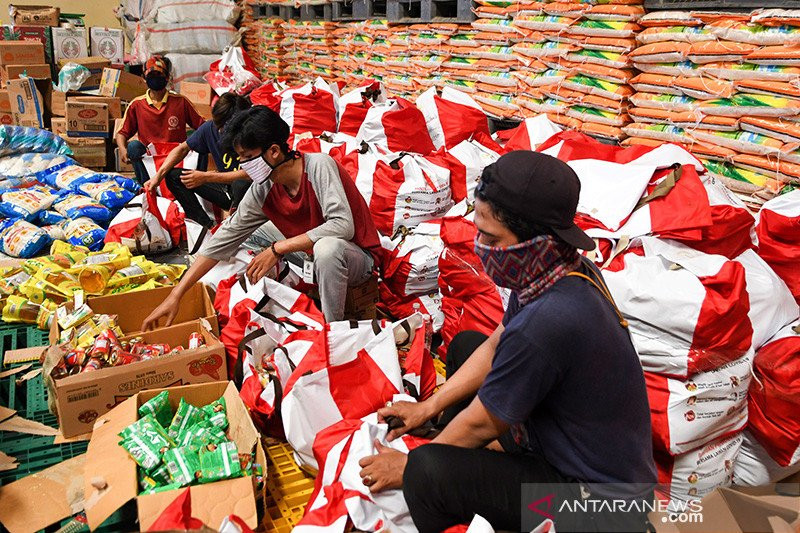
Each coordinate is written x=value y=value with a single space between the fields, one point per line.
x=528 y=268
x=258 y=169
x=157 y=83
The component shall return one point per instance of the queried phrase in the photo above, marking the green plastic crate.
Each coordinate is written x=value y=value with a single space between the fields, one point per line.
x=36 y=337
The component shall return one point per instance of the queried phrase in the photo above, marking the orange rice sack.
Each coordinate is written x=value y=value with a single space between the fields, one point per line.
x=755 y=105
x=598 y=116
x=548 y=77
x=543 y=22
x=770 y=166
x=775 y=55
x=713 y=152
x=565 y=9
x=716 y=51
x=491 y=12
x=784 y=130
x=603 y=131
x=663 y=52
x=542 y=105
x=705 y=88
x=776 y=17
x=620 y=45
x=655 y=83
x=741 y=141
x=749 y=71
x=631 y=13
x=565 y=121
x=732 y=30
x=771 y=88
x=683 y=68
x=494 y=25
x=677 y=34
x=590 y=85
x=546 y=49
x=640 y=141
x=668 y=18
x=498 y=105
x=709 y=17
x=660 y=132
x=598 y=57
x=604 y=28
x=605 y=104
x=663 y=101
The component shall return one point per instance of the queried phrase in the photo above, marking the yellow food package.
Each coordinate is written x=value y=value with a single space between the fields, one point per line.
x=94 y=278
x=9 y=283
x=169 y=273
x=149 y=284
x=19 y=309
x=62 y=247
x=38 y=290
x=113 y=257
x=137 y=273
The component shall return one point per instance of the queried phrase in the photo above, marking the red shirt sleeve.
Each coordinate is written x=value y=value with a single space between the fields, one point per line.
x=130 y=124
x=193 y=117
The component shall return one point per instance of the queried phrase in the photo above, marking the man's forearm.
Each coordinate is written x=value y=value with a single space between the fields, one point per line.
x=466 y=382
x=175 y=156
x=474 y=427
x=301 y=243
x=227 y=177
x=199 y=268
x=122 y=142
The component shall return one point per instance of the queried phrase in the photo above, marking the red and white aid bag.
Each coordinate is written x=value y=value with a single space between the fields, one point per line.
x=310 y=108
x=773 y=404
x=320 y=391
x=710 y=325
x=474 y=155
x=340 y=497
x=397 y=305
x=148 y=224
x=398 y=126
x=755 y=467
x=531 y=133
x=353 y=106
x=779 y=238
x=452 y=117
x=696 y=473
x=411 y=264
x=156 y=155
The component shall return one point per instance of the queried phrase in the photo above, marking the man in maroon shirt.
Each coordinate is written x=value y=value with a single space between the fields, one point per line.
x=157 y=116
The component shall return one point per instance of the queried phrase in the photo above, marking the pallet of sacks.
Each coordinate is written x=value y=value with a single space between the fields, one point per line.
x=727 y=86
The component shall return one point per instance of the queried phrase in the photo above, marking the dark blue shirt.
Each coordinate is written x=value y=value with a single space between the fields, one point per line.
x=567 y=379
x=206 y=141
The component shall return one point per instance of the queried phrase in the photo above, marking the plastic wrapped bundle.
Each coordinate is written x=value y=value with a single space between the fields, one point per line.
x=21 y=140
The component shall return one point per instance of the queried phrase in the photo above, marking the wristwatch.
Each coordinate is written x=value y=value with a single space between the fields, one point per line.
x=274 y=251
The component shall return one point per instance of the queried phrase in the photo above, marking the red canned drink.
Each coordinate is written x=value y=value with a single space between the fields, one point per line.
x=196 y=340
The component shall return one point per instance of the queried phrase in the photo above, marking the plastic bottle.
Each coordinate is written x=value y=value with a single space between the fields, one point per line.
x=19 y=309
x=94 y=278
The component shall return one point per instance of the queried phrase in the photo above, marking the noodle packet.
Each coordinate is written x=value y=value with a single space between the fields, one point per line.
x=146 y=442
x=183 y=465
x=158 y=407
x=185 y=417
x=216 y=413
x=219 y=461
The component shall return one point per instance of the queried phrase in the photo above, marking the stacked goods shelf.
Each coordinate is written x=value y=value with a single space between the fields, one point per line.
x=576 y=67
x=292 y=31
x=727 y=86
x=265 y=43
x=315 y=40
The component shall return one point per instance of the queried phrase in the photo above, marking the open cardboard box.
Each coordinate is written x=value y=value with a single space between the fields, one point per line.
x=80 y=399
x=211 y=503
x=132 y=308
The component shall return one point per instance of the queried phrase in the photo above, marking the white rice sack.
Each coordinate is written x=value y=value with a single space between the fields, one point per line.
x=206 y=37
x=178 y=11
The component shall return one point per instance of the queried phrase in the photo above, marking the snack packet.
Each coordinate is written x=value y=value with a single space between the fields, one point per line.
x=219 y=461
x=158 y=407
x=217 y=414
x=146 y=442
x=185 y=417
x=183 y=464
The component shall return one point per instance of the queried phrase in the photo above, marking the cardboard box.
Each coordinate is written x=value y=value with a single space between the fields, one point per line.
x=121 y=84
x=6 y=117
x=69 y=43
x=42 y=34
x=12 y=72
x=133 y=307
x=34 y=15
x=58 y=104
x=87 y=119
x=95 y=66
x=211 y=502
x=197 y=93
x=29 y=102
x=21 y=53
x=114 y=104
x=58 y=125
x=81 y=398
x=119 y=165
x=108 y=44
x=89 y=152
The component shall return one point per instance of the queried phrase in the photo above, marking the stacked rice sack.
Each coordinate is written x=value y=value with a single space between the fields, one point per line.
x=577 y=69
x=315 y=41
x=426 y=53
x=445 y=63
x=264 y=40
x=392 y=57
x=345 y=66
x=727 y=86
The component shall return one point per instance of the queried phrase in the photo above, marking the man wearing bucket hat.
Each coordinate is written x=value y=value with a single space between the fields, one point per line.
x=556 y=395
x=157 y=116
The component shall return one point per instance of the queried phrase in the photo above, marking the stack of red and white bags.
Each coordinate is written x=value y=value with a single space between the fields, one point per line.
x=727 y=86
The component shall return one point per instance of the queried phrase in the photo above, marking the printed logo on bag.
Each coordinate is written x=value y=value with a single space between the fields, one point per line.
x=88 y=113
x=88 y=416
x=208 y=365
x=108 y=48
x=70 y=48
x=173 y=122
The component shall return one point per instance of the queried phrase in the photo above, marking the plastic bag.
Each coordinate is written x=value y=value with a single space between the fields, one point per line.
x=108 y=193
x=235 y=71
x=21 y=140
x=27 y=203
x=84 y=232
x=69 y=178
x=47 y=218
x=31 y=164
x=72 y=76
x=74 y=206
x=21 y=239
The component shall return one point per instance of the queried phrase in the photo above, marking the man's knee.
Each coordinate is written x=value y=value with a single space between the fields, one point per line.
x=328 y=249
x=136 y=150
x=461 y=348
x=427 y=465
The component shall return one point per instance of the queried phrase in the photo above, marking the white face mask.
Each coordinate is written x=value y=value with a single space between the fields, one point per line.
x=257 y=168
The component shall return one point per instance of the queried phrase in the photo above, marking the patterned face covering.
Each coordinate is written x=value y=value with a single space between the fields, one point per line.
x=528 y=268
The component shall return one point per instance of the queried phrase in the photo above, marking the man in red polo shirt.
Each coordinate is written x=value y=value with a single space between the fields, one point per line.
x=157 y=116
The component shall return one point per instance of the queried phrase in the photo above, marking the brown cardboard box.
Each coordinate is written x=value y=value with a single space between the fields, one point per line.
x=6 y=117
x=58 y=125
x=96 y=65
x=21 y=53
x=81 y=398
x=34 y=15
x=108 y=43
x=196 y=303
x=42 y=34
x=29 y=102
x=89 y=152
x=114 y=104
x=119 y=165
x=12 y=72
x=87 y=119
x=69 y=44
x=197 y=93
x=211 y=502
x=58 y=104
x=121 y=84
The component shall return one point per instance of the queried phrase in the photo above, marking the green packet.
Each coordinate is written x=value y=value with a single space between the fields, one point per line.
x=185 y=417
x=159 y=408
x=146 y=442
x=219 y=461
x=163 y=488
x=217 y=413
x=183 y=464
x=201 y=434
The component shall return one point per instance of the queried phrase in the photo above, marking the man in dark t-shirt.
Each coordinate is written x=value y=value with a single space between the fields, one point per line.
x=556 y=395
x=224 y=187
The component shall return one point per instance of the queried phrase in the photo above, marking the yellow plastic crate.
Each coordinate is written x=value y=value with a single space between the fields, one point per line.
x=274 y=521
x=289 y=486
